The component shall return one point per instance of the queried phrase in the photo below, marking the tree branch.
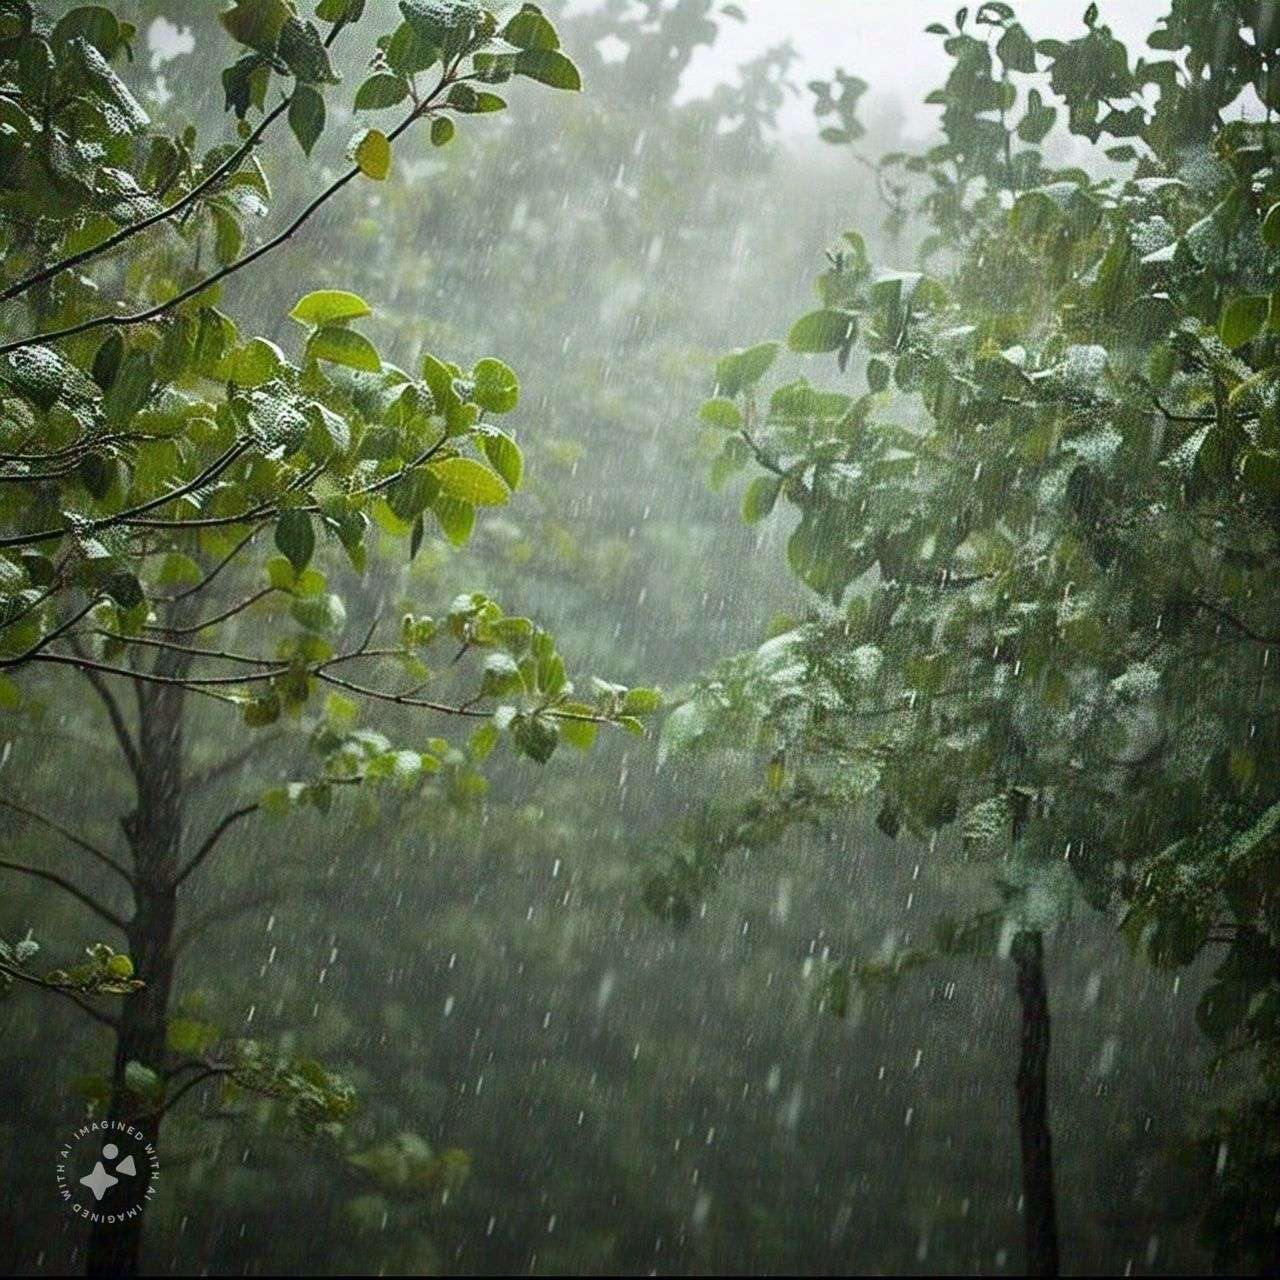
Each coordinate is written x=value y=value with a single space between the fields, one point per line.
x=125 y=739
x=148 y=314
x=79 y=894
x=212 y=839
x=199 y=1078
x=105 y=858
x=231 y=163
x=83 y=1005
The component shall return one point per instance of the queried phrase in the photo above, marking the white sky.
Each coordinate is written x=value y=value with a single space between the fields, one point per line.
x=883 y=41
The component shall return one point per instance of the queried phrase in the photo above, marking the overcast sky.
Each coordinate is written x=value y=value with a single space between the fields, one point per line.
x=884 y=42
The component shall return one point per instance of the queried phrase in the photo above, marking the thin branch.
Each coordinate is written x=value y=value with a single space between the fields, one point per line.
x=83 y=1005
x=133 y=514
x=127 y=745
x=207 y=1074
x=134 y=228
x=1235 y=623
x=217 y=568
x=212 y=839
x=151 y=677
x=222 y=655
x=79 y=894
x=233 y=762
x=105 y=858
x=231 y=163
x=767 y=462
x=148 y=314
x=31 y=654
x=1170 y=416
x=217 y=617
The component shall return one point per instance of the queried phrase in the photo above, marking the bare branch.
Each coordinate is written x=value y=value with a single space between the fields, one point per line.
x=209 y=1072
x=105 y=858
x=79 y=894
x=234 y=761
x=127 y=745
x=212 y=839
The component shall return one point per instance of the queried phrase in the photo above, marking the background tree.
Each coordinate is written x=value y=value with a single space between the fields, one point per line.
x=1045 y=532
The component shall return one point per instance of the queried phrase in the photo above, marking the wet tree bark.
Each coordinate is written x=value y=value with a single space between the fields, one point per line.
x=1039 y=1207
x=154 y=831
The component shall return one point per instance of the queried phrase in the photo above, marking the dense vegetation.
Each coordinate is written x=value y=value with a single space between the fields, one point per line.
x=389 y=997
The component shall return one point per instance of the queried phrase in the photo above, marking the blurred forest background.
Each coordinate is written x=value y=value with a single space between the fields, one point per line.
x=630 y=1095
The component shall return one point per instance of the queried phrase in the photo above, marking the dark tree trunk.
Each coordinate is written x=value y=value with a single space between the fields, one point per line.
x=1039 y=1208
x=154 y=830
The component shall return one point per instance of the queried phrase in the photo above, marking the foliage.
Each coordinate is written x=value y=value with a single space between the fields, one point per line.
x=142 y=462
x=1045 y=533
x=150 y=454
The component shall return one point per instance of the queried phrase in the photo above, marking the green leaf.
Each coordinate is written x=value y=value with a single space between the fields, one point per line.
x=505 y=457
x=536 y=737
x=408 y=53
x=1271 y=227
x=319 y=613
x=256 y=23
x=743 y=369
x=177 y=569
x=260 y=712
x=482 y=742
x=296 y=538
x=304 y=53
x=456 y=518
x=189 y=1035
x=530 y=29
x=344 y=346
x=877 y=374
x=469 y=101
x=130 y=389
x=722 y=413
x=251 y=365
x=380 y=91
x=496 y=387
x=442 y=131
x=306 y=116
x=639 y=702
x=329 y=306
x=1243 y=318
x=470 y=481
x=1016 y=49
x=141 y=1080
x=441 y=22
x=822 y=331
x=371 y=153
x=759 y=499
x=1260 y=471
x=550 y=67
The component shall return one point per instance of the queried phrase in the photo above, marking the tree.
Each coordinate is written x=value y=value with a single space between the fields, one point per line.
x=149 y=453
x=1044 y=536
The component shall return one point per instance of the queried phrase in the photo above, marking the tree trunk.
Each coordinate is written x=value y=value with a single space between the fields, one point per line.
x=1039 y=1209
x=154 y=830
